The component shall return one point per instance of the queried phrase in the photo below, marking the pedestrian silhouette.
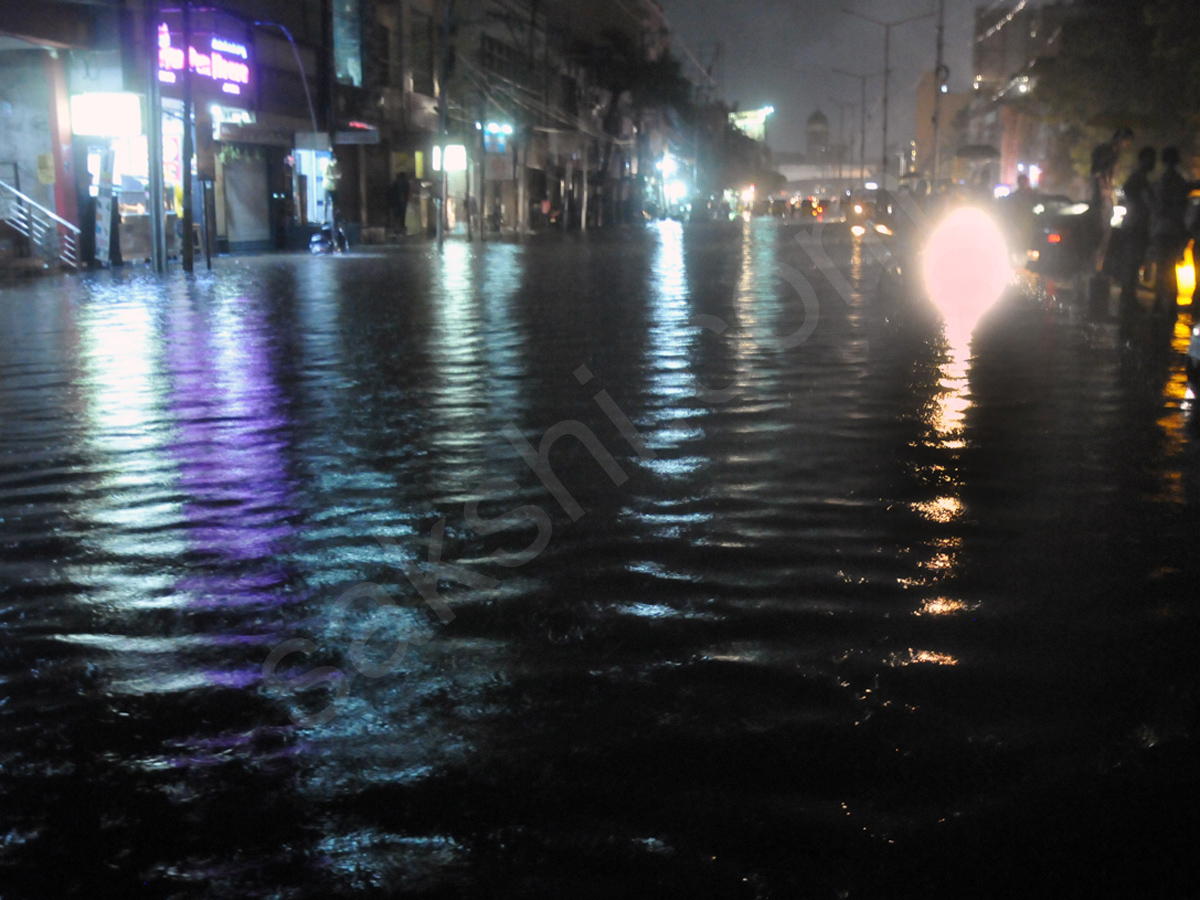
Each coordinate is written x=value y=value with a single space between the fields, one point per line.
x=1104 y=162
x=400 y=193
x=1135 y=228
x=1169 y=227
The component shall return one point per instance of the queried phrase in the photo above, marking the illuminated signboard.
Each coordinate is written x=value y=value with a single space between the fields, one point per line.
x=752 y=122
x=219 y=57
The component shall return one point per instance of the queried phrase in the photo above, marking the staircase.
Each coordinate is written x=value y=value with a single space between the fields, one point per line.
x=35 y=232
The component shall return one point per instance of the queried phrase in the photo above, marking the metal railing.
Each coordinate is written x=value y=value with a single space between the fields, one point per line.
x=50 y=238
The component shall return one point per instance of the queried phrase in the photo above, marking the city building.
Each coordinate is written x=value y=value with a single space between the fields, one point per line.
x=534 y=116
x=952 y=132
x=818 y=145
x=1006 y=135
x=1009 y=36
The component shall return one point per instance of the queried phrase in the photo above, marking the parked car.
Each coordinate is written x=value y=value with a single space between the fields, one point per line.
x=1064 y=237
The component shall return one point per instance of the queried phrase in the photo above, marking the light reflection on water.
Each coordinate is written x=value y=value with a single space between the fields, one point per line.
x=868 y=583
x=945 y=430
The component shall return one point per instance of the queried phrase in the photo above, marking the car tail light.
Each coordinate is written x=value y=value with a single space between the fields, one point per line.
x=1054 y=238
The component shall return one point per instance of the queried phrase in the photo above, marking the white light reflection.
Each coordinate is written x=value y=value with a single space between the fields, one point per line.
x=669 y=351
x=504 y=266
x=134 y=499
x=761 y=300
x=460 y=399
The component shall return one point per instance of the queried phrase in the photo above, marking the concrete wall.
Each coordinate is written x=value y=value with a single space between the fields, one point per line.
x=25 y=120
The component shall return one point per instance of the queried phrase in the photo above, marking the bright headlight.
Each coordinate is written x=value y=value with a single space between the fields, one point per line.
x=967 y=266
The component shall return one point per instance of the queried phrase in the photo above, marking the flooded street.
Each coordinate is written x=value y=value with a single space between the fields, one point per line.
x=576 y=595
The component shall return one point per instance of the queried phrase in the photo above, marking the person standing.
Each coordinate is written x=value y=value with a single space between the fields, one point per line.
x=333 y=180
x=1104 y=162
x=1018 y=210
x=401 y=191
x=1139 y=206
x=1169 y=227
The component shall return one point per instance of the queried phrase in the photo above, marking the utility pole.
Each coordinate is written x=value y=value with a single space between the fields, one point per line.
x=523 y=151
x=444 y=122
x=887 y=67
x=842 y=107
x=158 y=234
x=188 y=250
x=862 y=147
x=941 y=75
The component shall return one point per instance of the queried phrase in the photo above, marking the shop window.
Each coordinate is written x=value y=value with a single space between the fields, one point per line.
x=347 y=41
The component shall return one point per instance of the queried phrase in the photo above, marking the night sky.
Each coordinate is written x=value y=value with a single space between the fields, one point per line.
x=781 y=53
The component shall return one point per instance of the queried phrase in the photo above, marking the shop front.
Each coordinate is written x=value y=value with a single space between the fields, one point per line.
x=240 y=162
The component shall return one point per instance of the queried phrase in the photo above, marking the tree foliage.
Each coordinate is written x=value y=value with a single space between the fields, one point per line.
x=1132 y=63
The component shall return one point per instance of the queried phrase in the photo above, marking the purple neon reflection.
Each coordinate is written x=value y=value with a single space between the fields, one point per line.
x=229 y=449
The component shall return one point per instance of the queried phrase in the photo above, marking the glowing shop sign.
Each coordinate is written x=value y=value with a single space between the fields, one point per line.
x=225 y=64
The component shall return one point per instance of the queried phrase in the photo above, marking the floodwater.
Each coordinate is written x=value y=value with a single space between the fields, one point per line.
x=858 y=614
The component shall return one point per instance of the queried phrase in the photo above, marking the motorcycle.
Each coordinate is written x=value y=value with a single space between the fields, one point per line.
x=323 y=243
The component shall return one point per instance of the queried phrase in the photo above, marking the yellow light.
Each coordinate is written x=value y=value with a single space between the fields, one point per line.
x=883 y=229
x=106 y=115
x=1185 y=276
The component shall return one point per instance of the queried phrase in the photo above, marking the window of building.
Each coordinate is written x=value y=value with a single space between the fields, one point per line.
x=504 y=61
x=422 y=42
x=347 y=41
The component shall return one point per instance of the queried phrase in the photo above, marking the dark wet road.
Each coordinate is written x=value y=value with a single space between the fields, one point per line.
x=877 y=621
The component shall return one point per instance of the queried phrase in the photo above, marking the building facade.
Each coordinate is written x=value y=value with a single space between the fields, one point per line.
x=535 y=122
x=952 y=131
x=1006 y=135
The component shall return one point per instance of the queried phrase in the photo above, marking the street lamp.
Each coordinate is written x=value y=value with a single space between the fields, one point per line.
x=887 y=63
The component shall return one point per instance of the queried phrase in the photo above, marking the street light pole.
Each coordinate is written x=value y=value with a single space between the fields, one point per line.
x=940 y=72
x=887 y=66
x=158 y=234
x=444 y=123
x=187 y=250
x=862 y=147
x=842 y=107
